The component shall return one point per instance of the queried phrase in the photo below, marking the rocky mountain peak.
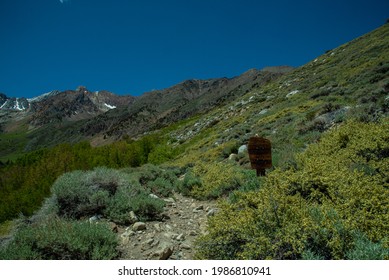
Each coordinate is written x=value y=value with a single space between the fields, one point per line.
x=82 y=89
x=13 y=103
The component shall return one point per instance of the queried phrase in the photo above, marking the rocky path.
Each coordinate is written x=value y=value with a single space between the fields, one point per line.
x=173 y=238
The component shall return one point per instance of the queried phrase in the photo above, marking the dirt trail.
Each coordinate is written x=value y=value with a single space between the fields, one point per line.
x=173 y=238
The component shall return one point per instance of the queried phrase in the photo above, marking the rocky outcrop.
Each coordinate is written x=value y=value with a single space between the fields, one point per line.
x=74 y=105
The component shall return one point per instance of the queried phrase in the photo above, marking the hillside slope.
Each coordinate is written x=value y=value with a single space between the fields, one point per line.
x=351 y=81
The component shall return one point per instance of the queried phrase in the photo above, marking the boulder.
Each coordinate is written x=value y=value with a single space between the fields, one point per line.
x=153 y=196
x=185 y=246
x=233 y=157
x=95 y=218
x=164 y=251
x=133 y=218
x=242 y=149
x=169 y=201
x=139 y=226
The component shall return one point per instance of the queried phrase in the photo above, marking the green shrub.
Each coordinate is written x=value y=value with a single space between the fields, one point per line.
x=157 y=180
x=217 y=179
x=57 y=239
x=309 y=255
x=190 y=182
x=6 y=228
x=147 y=173
x=250 y=183
x=119 y=207
x=146 y=207
x=161 y=153
x=161 y=187
x=327 y=237
x=80 y=194
x=230 y=148
x=110 y=193
x=365 y=249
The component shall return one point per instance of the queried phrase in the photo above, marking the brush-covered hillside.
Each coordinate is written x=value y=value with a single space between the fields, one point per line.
x=326 y=196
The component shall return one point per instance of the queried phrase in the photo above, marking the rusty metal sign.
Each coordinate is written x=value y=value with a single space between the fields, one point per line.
x=259 y=150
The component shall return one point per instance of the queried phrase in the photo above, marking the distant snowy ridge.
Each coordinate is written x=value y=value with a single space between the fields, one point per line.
x=43 y=96
x=22 y=104
x=14 y=104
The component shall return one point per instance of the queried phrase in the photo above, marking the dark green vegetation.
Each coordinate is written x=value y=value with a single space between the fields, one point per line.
x=112 y=194
x=27 y=181
x=58 y=239
x=327 y=196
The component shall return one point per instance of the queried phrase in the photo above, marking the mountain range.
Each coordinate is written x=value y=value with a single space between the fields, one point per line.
x=103 y=117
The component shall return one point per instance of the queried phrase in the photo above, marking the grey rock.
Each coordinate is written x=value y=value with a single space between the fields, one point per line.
x=127 y=234
x=155 y=243
x=165 y=216
x=180 y=237
x=200 y=207
x=165 y=251
x=242 y=149
x=185 y=246
x=233 y=157
x=95 y=218
x=293 y=92
x=149 y=241
x=168 y=227
x=138 y=226
x=133 y=217
x=174 y=235
x=211 y=212
x=169 y=201
x=157 y=227
x=153 y=196
x=125 y=240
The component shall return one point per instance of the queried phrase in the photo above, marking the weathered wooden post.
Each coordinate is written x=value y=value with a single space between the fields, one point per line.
x=259 y=149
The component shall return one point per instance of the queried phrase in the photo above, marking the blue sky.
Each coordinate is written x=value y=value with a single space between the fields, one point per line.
x=134 y=46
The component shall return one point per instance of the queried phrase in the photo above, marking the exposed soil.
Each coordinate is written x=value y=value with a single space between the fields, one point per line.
x=173 y=237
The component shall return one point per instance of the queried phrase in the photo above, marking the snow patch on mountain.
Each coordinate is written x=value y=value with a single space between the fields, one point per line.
x=43 y=96
x=5 y=103
x=110 y=106
x=18 y=106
